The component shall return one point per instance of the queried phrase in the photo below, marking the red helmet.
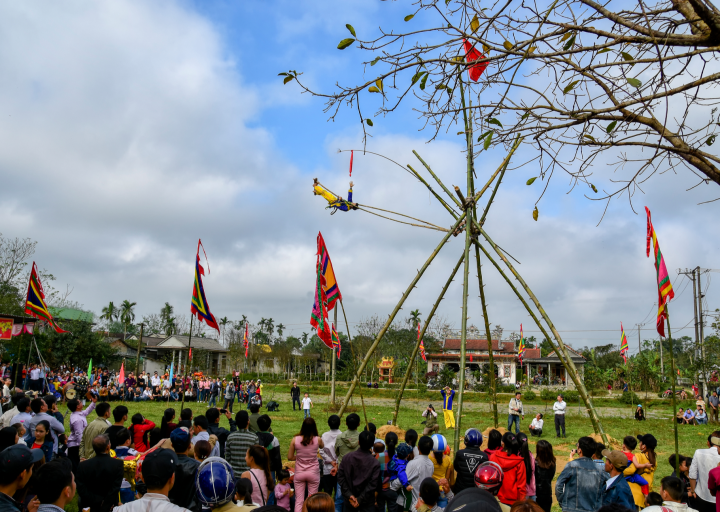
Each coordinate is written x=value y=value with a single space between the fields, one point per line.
x=489 y=476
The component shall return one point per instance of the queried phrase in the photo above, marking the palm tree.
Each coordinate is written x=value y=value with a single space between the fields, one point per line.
x=414 y=319
x=109 y=313
x=224 y=321
x=127 y=314
x=280 y=328
x=262 y=323
x=168 y=321
x=305 y=338
x=269 y=325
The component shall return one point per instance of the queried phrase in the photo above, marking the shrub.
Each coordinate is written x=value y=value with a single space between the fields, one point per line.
x=629 y=397
x=547 y=395
x=529 y=395
x=570 y=395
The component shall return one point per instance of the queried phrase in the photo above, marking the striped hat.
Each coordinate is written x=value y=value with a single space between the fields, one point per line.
x=440 y=444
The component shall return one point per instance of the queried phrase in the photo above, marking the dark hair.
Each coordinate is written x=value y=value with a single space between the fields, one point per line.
x=212 y=415
x=411 y=437
x=262 y=458
x=242 y=419
x=650 y=454
x=308 y=430
x=16 y=397
x=122 y=436
x=654 y=498
x=49 y=400
x=202 y=450
x=23 y=404
x=352 y=421
x=72 y=405
x=671 y=461
x=391 y=441
x=511 y=445
x=630 y=442
x=283 y=474
x=494 y=439
x=525 y=454
x=102 y=408
x=168 y=416
x=586 y=445
x=201 y=421
x=36 y=405
x=425 y=445
x=366 y=439
x=7 y=437
x=186 y=414
x=264 y=422
x=526 y=505
x=155 y=436
x=544 y=454
x=599 y=447
x=254 y=408
x=673 y=486
x=55 y=476
x=137 y=419
x=334 y=422
x=119 y=413
x=185 y=423
x=45 y=424
x=430 y=491
x=319 y=502
x=100 y=443
x=243 y=486
x=371 y=428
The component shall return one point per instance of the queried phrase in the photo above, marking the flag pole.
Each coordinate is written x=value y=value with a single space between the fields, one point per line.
x=333 y=367
x=182 y=380
x=672 y=371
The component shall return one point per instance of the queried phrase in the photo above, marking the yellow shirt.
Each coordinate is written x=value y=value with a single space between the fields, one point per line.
x=440 y=470
x=647 y=474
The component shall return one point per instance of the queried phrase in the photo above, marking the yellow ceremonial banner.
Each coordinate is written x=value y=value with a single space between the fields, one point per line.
x=6 y=327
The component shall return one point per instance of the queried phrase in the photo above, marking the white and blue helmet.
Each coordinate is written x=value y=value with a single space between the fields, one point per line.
x=440 y=444
x=215 y=482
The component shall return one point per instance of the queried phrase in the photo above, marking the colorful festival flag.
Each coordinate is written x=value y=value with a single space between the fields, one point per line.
x=422 y=346
x=319 y=315
x=35 y=302
x=199 y=305
x=245 y=339
x=6 y=328
x=332 y=292
x=90 y=368
x=471 y=55
x=336 y=341
x=121 y=375
x=172 y=372
x=665 y=289
x=624 y=348
x=521 y=346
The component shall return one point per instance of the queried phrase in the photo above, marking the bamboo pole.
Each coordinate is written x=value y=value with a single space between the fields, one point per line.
x=422 y=334
x=395 y=311
x=491 y=361
x=347 y=327
x=438 y=180
x=672 y=371
x=182 y=379
x=569 y=364
x=442 y=201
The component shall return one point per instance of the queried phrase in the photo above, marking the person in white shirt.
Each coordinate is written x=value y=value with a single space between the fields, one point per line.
x=559 y=410
x=703 y=461
x=515 y=410
x=147 y=394
x=536 y=425
x=328 y=481
x=155 y=380
x=35 y=384
x=671 y=492
x=307 y=404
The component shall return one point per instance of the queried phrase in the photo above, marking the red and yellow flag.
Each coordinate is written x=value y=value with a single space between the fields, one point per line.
x=199 y=305
x=665 y=289
x=35 y=303
x=624 y=348
x=422 y=346
x=336 y=341
x=521 y=346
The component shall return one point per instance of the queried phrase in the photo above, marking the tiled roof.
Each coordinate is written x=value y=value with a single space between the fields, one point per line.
x=479 y=344
x=197 y=342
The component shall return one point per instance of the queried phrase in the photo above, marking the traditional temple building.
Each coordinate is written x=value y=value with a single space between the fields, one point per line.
x=505 y=357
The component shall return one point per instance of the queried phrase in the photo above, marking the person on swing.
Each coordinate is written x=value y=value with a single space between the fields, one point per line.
x=335 y=201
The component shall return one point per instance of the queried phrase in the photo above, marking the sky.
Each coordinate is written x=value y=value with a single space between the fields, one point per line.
x=130 y=129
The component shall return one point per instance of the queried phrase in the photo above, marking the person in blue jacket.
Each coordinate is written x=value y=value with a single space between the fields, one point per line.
x=617 y=490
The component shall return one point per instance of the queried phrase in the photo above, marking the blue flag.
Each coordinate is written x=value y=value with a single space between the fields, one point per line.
x=172 y=367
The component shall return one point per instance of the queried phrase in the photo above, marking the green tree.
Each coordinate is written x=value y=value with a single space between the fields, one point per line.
x=127 y=314
x=110 y=313
x=280 y=328
x=414 y=319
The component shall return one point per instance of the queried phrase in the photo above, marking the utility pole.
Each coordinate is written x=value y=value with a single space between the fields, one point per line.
x=694 y=275
x=639 y=345
x=701 y=328
x=137 y=360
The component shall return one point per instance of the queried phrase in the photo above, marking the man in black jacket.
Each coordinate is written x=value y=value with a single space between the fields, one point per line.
x=213 y=417
x=182 y=493
x=99 y=479
x=295 y=395
x=359 y=476
x=467 y=460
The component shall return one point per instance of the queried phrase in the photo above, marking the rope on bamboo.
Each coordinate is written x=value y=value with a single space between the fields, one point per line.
x=407 y=223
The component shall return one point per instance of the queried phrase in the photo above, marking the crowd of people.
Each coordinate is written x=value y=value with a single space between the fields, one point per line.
x=116 y=460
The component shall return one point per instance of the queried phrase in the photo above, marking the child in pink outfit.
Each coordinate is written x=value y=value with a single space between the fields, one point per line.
x=283 y=491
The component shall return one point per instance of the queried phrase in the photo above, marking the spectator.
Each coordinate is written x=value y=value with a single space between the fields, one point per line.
x=474 y=500
x=78 y=422
x=704 y=461
x=442 y=466
x=617 y=490
x=254 y=415
x=214 y=428
x=200 y=432
x=682 y=474
x=166 y=424
x=536 y=425
x=494 y=442
x=545 y=466
x=419 y=468
x=267 y=439
x=182 y=493
x=122 y=451
x=385 y=495
x=529 y=461
x=431 y=424
x=671 y=491
x=216 y=486
x=431 y=496
x=139 y=430
x=688 y=417
x=514 y=485
x=304 y=449
x=598 y=456
x=714 y=402
x=238 y=442
x=202 y=450
x=359 y=473
x=283 y=489
x=229 y=395
x=57 y=485
x=467 y=460
x=328 y=481
x=654 y=498
x=16 y=468
x=40 y=408
x=25 y=415
x=345 y=443
x=295 y=395
x=158 y=473
x=99 y=479
x=714 y=475
x=559 y=408
x=700 y=416
x=243 y=495
x=411 y=438
x=307 y=404
x=259 y=474
x=7 y=419
x=679 y=417
x=645 y=462
x=580 y=486
x=8 y=437
x=120 y=415
x=42 y=440
x=526 y=505
x=515 y=410
x=98 y=426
